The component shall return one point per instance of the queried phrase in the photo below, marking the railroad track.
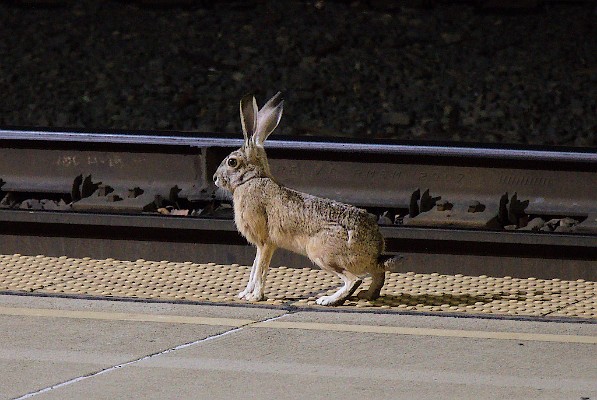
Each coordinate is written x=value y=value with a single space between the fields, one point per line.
x=448 y=209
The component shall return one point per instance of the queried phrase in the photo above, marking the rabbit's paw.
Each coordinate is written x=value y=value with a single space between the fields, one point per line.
x=244 y=293
x=253 y=296
x=329 y=301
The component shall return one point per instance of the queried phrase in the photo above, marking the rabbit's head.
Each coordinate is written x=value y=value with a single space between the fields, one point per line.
x=250 y=161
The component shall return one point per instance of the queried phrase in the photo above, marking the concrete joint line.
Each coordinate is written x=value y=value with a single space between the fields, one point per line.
x=148 y=357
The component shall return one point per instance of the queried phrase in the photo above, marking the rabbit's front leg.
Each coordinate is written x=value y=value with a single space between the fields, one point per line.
x=251 y=283
x=262 y=261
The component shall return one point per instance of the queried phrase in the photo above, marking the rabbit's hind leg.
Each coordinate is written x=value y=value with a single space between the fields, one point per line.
x=374 y=290
x=329 y=251
x=351 y=283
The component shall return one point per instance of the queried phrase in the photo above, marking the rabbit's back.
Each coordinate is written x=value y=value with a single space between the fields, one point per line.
x=267 y=211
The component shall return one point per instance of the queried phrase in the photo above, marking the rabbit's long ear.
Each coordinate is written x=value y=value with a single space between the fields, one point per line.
x=268 y=118
x=248 y=117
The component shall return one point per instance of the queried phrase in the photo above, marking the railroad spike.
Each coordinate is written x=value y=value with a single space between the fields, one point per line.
x=134 y=192
x=413 y=207
x=516 y=209
x=428 y=202
x=88 y=187
x=75 y=192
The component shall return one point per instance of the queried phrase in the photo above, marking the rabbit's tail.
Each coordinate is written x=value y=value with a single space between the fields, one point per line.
x=388 y=262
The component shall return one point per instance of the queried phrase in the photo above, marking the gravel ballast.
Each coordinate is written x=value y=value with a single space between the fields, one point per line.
x=369 y=70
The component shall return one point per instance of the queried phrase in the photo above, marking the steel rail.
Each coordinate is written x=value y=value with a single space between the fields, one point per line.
x=414 y=149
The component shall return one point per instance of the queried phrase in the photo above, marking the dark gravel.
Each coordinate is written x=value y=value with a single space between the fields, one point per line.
x=446 y=71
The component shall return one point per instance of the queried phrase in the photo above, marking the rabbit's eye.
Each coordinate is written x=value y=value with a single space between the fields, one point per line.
x=232 y=162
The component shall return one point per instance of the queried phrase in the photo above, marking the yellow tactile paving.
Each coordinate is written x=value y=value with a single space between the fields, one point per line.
x=300 y=287
x=28 y=273
x=585 y=308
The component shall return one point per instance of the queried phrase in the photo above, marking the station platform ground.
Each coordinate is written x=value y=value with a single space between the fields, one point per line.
x=189 y=282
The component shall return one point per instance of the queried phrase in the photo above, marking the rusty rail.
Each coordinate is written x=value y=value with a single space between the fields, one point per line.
x=446 y=208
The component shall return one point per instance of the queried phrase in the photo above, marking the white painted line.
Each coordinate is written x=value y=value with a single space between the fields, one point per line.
x=314 y=326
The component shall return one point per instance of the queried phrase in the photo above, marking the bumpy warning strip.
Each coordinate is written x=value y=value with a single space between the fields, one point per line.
x=187 y=281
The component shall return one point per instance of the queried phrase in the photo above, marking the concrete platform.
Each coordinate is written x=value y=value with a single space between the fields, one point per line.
x=57 y=348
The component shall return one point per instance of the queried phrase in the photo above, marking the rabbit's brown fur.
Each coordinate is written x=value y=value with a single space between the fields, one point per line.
x=337 y=237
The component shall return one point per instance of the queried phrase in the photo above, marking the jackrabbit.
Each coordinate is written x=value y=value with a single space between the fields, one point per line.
x=337 y=237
